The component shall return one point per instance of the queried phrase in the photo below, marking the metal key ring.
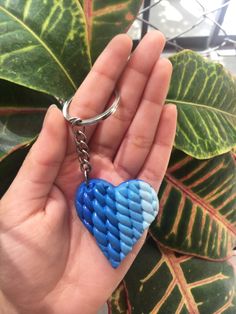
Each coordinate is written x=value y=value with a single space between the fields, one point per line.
x=93 y=120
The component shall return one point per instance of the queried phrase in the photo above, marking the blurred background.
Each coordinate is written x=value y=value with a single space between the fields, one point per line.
x=206 y=26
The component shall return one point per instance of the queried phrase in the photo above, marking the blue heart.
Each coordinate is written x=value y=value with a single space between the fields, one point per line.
x=116 y=216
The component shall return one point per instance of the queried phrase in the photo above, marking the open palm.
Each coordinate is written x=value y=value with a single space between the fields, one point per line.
x=49 y=262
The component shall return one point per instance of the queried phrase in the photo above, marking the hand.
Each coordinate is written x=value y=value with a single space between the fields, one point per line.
x=49 y=262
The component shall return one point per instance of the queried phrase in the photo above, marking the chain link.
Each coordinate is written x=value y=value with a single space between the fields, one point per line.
x=82 y=151
x=78 y=129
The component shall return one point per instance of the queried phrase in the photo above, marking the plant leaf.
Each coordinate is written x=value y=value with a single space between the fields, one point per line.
x=117 y=302
x=198 y=206
x=231 y=309
x=42 y=43
x=17 y=130
x=205 y=95
x=160 y=281
x=47 y=45
x=106 y=18
x=14 y=97
x=9 y=167
x=21 y=115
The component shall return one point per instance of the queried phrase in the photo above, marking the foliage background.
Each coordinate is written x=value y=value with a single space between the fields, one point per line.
x=183 y=267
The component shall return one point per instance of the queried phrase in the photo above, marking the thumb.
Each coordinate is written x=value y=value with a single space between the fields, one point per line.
x=29 y=190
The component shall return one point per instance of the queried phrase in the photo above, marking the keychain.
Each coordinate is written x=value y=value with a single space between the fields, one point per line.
x=115 y=216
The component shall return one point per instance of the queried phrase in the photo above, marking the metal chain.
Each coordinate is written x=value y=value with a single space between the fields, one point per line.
x=82 y=151
x=78 y=128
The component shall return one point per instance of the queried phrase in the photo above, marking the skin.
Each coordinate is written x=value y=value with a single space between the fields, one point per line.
x=49 y=262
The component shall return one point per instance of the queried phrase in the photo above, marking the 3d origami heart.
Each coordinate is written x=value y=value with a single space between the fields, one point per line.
x=116 y=216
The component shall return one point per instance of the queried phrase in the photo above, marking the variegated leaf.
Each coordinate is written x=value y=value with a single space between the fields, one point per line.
x=47 y=45
x=17 y=130
x=106 y=18
x=205 y=95
x=42 y=43
x=9 y=167
x=118 y=301
x=21 y=115
x=198 y=206
x=160 y=281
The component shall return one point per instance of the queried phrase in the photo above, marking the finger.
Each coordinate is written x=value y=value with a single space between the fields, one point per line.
x=40 y=168
x=140 y=136
x=131 y=86
x=96 y=90
x=157 y=161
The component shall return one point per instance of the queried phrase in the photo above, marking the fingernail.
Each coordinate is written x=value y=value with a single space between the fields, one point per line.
x=48 y=113
x=174 y=108
x=171 y=106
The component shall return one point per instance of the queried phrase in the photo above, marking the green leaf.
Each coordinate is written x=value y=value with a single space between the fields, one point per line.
x=15 y=97
x=198 y=206
x=42 y=44
x=17 y=130
x=21 y=114
x=231 y=308
x=106 y=18
x=162 y=282
x=117 y=302
x=10 y=166
x=205 y=95
x=47 y=45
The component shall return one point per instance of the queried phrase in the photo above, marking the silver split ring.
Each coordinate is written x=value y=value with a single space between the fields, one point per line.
x=93 y=120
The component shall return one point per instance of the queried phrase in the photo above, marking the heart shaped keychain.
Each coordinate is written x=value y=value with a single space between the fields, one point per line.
x=115 y=216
